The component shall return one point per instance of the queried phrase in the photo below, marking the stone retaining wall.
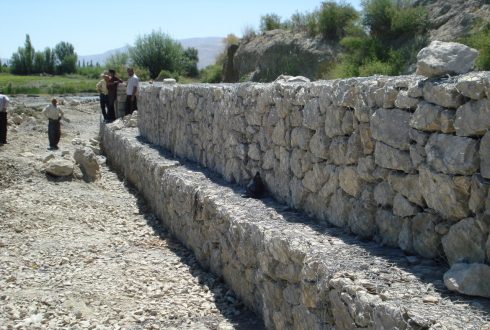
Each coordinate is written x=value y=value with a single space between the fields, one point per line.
x=296 y=273
x=401 y=160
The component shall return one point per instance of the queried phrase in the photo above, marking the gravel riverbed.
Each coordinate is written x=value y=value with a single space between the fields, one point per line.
x=90 y=255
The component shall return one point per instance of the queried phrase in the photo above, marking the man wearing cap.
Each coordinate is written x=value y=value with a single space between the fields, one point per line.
x=54 y=115
x=4 y=102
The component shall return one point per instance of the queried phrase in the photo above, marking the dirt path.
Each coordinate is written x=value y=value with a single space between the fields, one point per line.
x=84 y=255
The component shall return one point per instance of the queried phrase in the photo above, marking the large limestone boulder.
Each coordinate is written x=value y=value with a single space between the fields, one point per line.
x=469 y=279
x=267 y=56
x=59 y=167
x=441 y=58
x=453 y=19
x=465 y=242
x=87 y=160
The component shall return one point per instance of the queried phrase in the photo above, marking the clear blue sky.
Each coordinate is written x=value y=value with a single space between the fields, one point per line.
x=95 y=26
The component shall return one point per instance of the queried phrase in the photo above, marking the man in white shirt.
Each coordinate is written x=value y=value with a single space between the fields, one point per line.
x=4 y=102
x=131 y=92
x=54 y=115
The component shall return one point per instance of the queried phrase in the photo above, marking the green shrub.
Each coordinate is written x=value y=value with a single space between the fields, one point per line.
x=270 y=22
x=92 y=72
x=211 y=74
x=334 y=19
x=481 y=42
x=409 y=21
x=375 y=67
x=164 y=74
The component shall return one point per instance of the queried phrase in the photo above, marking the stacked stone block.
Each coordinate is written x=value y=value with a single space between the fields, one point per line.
x=295 y=273
x=400 y=160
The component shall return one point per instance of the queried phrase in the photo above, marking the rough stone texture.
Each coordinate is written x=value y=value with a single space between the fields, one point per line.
x=448 y=196
x=59 y=167
x=278 y=49
x=403 y=101
x=408 y=186
x=479 y=191
x=452 y=154
x=473 y=118
x=443 y=93
x=403 y=208
x=465 y=242
x=391 y=127
x=87 y=160
x=384 y=194
x=474 y=84
x=432 y=118
x=454 y=19
x=440 y=58
x=294 y=273
x=392 y=158
x=339 y=150
x=426 y=240
x=471 y=279
x=485 y=156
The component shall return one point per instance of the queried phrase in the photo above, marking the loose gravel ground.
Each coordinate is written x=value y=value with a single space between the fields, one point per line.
x=79 y=255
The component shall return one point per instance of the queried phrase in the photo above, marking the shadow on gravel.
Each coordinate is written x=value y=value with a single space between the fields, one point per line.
x=429 y=272
x=53 y=178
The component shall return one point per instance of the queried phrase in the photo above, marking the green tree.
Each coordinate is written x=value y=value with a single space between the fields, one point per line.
x=335 y=19
x=28 y=54
x=156 y=52
x=49 y=61
x=189 y=62
x=270 y=22
x=38 y=65
x=23 y=60
x=66 y=58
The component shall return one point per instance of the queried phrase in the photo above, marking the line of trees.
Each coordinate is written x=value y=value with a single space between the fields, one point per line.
x=62 y=59
x=157 y=54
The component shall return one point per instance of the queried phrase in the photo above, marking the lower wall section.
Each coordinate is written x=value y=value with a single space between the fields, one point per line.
x=294 y=273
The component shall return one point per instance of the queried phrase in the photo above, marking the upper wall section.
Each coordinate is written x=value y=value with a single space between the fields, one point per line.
x=402 y=160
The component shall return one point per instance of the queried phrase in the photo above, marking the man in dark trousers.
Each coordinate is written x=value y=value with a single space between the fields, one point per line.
x=112 y=94
x=54 y=115
x=131 y=92
x=4 y=102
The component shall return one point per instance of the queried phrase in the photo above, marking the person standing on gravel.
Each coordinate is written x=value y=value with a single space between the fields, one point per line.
x=112 y=94
x=54 y=115
x=103 y=95
x=4 y=102
x=131 y=92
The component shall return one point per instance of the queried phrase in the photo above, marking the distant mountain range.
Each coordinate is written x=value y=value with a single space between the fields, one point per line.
x=208 y=49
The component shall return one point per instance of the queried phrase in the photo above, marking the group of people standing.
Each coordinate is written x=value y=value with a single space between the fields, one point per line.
x=107 y=88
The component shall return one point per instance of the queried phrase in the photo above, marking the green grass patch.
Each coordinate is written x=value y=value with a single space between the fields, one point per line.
x=13 y=84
